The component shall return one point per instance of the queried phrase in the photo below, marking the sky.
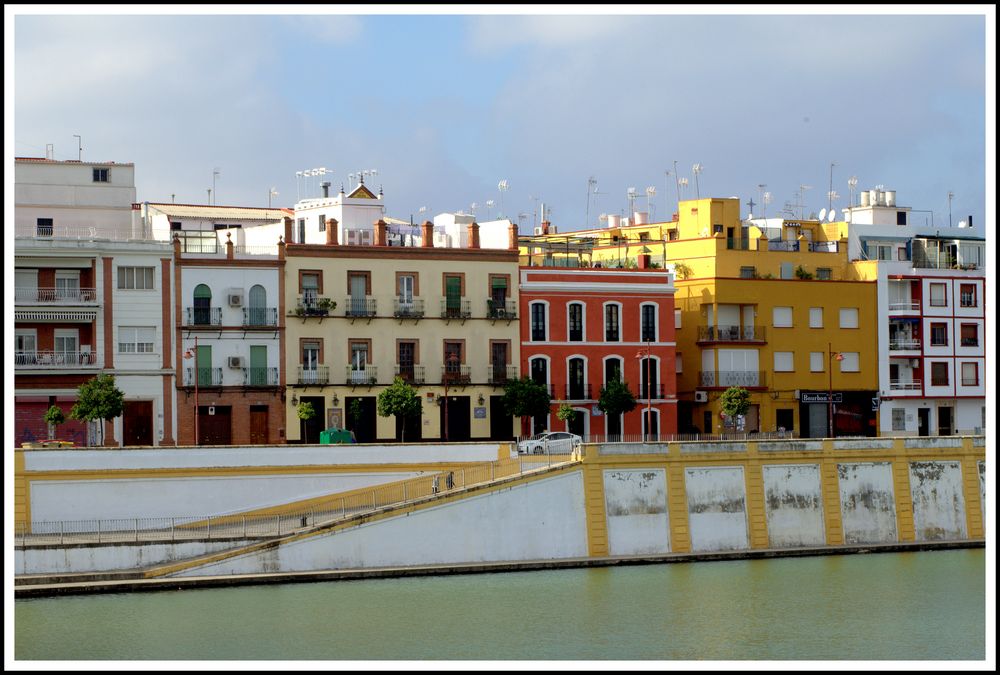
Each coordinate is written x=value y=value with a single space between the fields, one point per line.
x=446 y=105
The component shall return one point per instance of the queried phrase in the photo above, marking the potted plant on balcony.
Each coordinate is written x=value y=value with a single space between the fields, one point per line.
x=324 y=306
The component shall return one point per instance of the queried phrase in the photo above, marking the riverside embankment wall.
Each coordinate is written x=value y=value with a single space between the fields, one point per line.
x=647 y=500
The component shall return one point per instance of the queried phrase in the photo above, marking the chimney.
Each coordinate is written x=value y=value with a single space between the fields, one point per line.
x=545 y=227
x=288 y=229
x=326 y=188
x=380 y=232
x=229 y=245
x=427 y=234
x=473 y=228
x=970 y=221
x=331 y=231
x=512 y=236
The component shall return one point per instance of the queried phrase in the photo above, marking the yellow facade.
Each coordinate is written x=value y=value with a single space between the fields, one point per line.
x=731 y=278
x=380 y=329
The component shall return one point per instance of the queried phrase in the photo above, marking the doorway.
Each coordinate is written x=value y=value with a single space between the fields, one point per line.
x=215 y=425
x=309 y=429
x=456 y=408
x=945 y=416
x=923 y=421
x=361 y=418
x=137 y=423
x=258 y=425
x=501 y=426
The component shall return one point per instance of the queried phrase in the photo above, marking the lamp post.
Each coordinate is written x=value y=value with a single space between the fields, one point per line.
x=833 y=356
x=649 y=394
x=188 y=354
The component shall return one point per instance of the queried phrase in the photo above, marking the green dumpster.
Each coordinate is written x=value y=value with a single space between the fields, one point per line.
x=335 y=436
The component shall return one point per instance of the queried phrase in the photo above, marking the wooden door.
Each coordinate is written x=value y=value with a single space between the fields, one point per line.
x=258 y=425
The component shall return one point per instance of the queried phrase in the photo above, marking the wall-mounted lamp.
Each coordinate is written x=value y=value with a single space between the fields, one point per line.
x=295 y=400
x=335 y=400
x=439 y=399
x=481 y=399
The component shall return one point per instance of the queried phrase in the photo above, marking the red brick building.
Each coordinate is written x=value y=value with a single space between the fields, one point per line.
x=583 y=327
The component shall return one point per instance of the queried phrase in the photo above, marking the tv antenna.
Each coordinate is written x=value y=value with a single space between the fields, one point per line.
x=591 y=187
x=273 y=192
x=215 y=174
x=801 y=196
x=697 y=169
x=650 y=192
x=502 y=186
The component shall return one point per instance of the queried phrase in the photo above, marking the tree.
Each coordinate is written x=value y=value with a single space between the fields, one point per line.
x=525 y=398
x=400 y=400
x=98 y=399
x=615 y=399
x=565 y=413
x=355 y=412
x=305 y=412
x=53 y=417
x=735 y=402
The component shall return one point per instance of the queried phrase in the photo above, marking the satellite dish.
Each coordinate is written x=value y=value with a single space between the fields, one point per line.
x=822 y=214
x=833 y=214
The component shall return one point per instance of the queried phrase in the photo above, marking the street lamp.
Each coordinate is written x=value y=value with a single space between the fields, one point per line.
x=188 y=354
x=833 y=356
x=649 y=394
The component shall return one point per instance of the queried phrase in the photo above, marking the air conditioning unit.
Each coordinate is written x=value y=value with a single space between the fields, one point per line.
x=235 y=362
x=236 y=298
x=538 y=230
x=500 y=312
x=701 y=397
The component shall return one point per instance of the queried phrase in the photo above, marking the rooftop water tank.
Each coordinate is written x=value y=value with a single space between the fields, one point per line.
x=890 y=197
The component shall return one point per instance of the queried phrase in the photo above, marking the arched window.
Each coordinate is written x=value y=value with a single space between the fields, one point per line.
x=649 y=377
x=575 y=389
x=257 y=306
x=202 y=305
x=612 y=369
x=575 y=322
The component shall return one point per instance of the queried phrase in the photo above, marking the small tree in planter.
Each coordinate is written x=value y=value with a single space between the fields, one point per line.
x=525 y=398
x=305 y=412
x=735 y=402
x=565 y=413
x=355 y=412
x=98 y=399
x=53 y=418
x=325 y=306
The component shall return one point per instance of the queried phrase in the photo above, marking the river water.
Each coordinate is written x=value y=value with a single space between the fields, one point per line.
x=896 y=606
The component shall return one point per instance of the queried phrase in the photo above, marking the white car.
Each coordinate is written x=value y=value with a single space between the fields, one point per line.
x=557 y=443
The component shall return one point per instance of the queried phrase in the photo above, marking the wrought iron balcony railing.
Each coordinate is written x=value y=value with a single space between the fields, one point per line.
x=360 y=307
x=260 y=377
x=456 y=374
x=55 y=296
x=731 y=378
x=577 y=392
x=202 y=316
x=314 y=375
x=207 y=377
x=54 y=359
x=500 y=374
x=501 y=310
x=260 y=316
x=412 y=308
x=731 y=334
x=455 y=308
x=361 y=374
x=410 y=373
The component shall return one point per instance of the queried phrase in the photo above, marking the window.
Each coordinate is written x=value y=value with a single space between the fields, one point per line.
x=817 y=361
x=970 y=374
x=102 y=175
x=784 y=362
x=939 y=295
x=939 y=334
x=360 y=350
x=851 y=362
x=575 y=322
x=672 y=235
x=782 y=317
x=68 y=284
x=538 y=327
x=648 y=328
x=540 y=371
x=24 y=346
x=899 y=419
x=716 y=228
x=939 y=373
x=902 y=253
x=815 y=317
x=677 y=318
x=44 y=227
x=612 y=369
x=970 y=335
x=748 y=272
x=311 y=351
x=644 y=236
x=302 y=231
x=405 y=285
x=611 y=333
x=967 y=295
x=310 y=282
x=678 y=363
x=135 y=278
x=136 y=339
x=198 y=242
x=322 y=222
x=406 y=351
x=883 y=252
x=901 y=217
x=176 y=226
x=824 y=273
x=66 y=344
x=848 y=317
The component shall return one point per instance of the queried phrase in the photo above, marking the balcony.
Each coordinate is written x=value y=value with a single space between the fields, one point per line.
x=202 y=316
x=361 y=374
x=207 y=377
x=260 y=316
x=898 y=344
x=457 y=374
x=455 y=308
x=501 y=310
x=54 y=359
x=55 y=296
x=658 y=391
x=731 y=378
x=313 y=305
x=731 y=334
x=411 y=308
x=970 y=342
x=901 y=385
x=824 y=246
x=500 y=374
x=260 y=377
x=788 y=245
x=314 y=375
x=410 y=373
x=358 y=307
x=904 y=306
x=577 y=392
x=737 y=244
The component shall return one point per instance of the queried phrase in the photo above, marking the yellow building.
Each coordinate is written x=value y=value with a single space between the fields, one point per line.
x=773 y=306
x=443 y=319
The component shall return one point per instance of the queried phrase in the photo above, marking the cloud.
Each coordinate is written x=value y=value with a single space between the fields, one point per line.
x=339 y=29
x=490 y=34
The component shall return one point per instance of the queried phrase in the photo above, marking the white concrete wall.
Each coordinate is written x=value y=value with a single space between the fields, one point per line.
x=636 y=507
x=793 y=504
x=235 y=456
x=938 y=502
x=107 y=558
x=127 y=498
x=716 y=499
x=540 y=520
x=867 y=503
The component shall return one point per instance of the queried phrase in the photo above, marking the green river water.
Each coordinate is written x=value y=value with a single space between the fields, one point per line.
x=895 y=606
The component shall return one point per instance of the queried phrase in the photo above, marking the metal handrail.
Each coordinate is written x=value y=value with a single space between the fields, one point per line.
x=202 y=316
x=54 y=359
x=317 y=375
x=55 y=295
x=260 y=316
